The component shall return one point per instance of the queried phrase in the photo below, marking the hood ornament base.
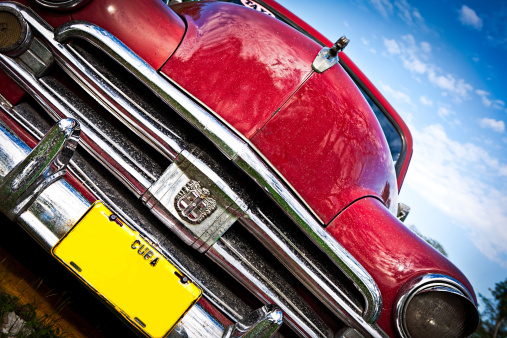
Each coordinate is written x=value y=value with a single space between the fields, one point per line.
x=328 y=57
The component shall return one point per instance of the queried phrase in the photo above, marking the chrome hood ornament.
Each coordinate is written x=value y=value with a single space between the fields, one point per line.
x=328 y=57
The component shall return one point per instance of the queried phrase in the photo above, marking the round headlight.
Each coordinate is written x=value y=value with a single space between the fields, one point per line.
x=15 y=34
x=435 y=306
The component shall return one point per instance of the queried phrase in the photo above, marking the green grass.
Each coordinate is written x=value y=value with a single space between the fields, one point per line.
x=35 y=326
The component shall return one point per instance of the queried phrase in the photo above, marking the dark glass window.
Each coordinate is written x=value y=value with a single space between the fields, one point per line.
x=392 y=135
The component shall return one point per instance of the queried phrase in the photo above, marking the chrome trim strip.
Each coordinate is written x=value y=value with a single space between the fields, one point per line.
x=148 y=126
x=62 y=5
x=260 y=278
x=419 y=284
x=62 y=107
x=261 y=323
x=309 y=272
x=59 y=207
x=241 y=152
x=197 y=322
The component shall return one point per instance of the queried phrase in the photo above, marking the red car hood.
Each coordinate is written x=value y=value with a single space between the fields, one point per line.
x=315 y=129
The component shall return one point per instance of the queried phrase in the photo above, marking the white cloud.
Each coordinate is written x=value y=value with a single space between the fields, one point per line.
x=484 y=97
x=415 y=65
x=498 y=104
x=425 y=101
x=410 y=15
x=411 y=54
x=384 y=7
x=425 y=47
x=498 y=126
x=392 y=46
x=468 y=17
x=396 y=94
x=443 y=112
x=450 y=83
x=373 y=51
x=451 y=176
x=365 y=42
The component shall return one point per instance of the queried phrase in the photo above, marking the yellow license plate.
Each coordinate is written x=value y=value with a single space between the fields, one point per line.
x=125 y=270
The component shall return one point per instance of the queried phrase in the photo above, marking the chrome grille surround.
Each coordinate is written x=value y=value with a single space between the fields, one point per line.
x=49 y=94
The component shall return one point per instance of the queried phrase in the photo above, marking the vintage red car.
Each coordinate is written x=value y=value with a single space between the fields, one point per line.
x=271 y=166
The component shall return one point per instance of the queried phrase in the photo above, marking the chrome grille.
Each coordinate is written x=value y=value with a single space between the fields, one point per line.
x=342 y=293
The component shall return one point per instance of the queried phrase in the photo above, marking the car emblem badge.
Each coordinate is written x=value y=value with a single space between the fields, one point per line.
x=194 y=203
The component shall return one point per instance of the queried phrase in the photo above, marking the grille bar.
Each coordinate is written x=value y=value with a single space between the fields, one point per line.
x=231 y=145
x=112 y=195
x=243 y=262
x=60 y=206
x=60 y=107
x=241 y=153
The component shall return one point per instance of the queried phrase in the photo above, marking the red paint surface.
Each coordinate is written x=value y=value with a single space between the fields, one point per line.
x=388 y=250
x=150 y=28
x=241 y=63
x=215 y=312
x=9 y=89
x=53 y=18
x=404 y=129
x=328 y=144
x=406 y=132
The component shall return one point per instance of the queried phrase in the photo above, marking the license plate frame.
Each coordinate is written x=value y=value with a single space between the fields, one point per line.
x=127 y=271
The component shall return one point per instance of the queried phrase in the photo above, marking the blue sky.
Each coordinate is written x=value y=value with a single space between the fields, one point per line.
x=442 y=65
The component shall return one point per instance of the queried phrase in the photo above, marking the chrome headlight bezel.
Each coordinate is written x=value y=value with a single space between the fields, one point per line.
x=62 y=5
x=431 y=283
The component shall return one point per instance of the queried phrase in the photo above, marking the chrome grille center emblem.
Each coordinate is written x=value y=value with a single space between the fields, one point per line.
x=194 y=203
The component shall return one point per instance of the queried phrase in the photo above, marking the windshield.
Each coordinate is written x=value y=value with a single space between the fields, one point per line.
x=392 y=136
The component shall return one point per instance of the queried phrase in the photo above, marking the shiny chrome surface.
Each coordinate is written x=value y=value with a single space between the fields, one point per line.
x=59 y=206
x=62 y=5
x=262 y=323
x=430 y=282
x=162 y=199
x=242 y=153
x=45 y=164
x=403 y=211
x=101 y=142
x=148 y=124
x=244 y=263
x=38 y=58
x=311 y=270
x=105 y=190
x=197 y=322
x=53 y=210
x=328 y=57
x=348 y=333
x=49 y=94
